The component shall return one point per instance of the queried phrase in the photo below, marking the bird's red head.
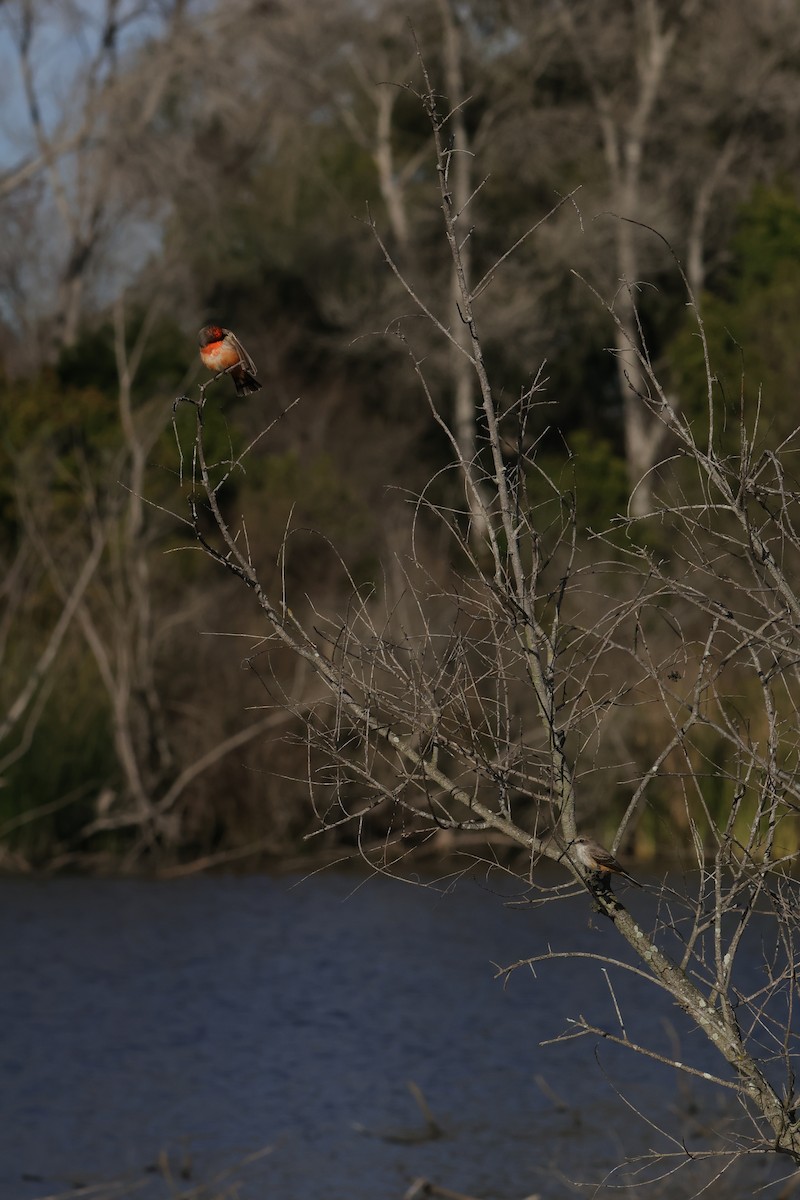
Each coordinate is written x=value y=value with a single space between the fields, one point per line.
x=211 y=333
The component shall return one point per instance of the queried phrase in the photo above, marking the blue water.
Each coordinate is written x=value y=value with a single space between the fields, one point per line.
x=207 y=1020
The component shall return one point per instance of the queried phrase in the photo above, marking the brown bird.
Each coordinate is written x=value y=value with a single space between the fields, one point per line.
x=221 y=350
x=596 y=858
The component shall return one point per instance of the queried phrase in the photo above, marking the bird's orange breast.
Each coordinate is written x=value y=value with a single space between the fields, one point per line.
x=217 y=356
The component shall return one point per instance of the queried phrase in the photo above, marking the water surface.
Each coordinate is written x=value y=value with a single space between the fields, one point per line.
x=209 y=1019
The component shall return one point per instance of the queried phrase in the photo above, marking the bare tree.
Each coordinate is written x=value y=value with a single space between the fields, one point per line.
x=366 y=96
x=486 y=716
x=680 y=144
x=730 y=149
x=86 y=147
x=114 y=599
x=626 y=128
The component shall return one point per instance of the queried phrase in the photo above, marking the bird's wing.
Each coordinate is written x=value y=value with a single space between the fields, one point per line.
x=244 y=357
x=604 y=858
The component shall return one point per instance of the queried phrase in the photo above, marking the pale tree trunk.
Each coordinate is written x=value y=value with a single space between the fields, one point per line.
x=391 y=186
x=767 y=68
x=393 y=181
x=701 y=210
x=136 y=563
x=624 y=141
x=377 y=141
x=78 y=154
x=80 y=218
x=643 y=432
x=460 y=188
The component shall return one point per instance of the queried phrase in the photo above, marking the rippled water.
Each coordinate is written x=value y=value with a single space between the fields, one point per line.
x=205 y=1020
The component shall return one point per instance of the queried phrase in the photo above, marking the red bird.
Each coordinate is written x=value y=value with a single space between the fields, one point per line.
x=220 y=350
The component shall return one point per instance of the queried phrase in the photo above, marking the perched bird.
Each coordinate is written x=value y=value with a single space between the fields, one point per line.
x=596 y=858
x=220 y=350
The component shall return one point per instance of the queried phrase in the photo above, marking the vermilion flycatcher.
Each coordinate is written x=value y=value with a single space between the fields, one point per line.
x=221 y=350
x=596 y=858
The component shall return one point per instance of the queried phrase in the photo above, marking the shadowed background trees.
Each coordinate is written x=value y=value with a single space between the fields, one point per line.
x=168 y=162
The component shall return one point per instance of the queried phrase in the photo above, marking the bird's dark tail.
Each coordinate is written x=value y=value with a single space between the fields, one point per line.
x=245 y=383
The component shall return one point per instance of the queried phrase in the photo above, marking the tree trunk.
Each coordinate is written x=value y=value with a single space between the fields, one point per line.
x=459 y=178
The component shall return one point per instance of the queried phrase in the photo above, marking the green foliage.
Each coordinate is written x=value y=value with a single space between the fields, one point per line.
x=601 y=480
x=750 y=321
x=267 y=250
x=72 y=756
x=591 y=472
x=307 y=508
x=52 y=436
x=62 y=427
x=90 y=363
x=766 y=241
